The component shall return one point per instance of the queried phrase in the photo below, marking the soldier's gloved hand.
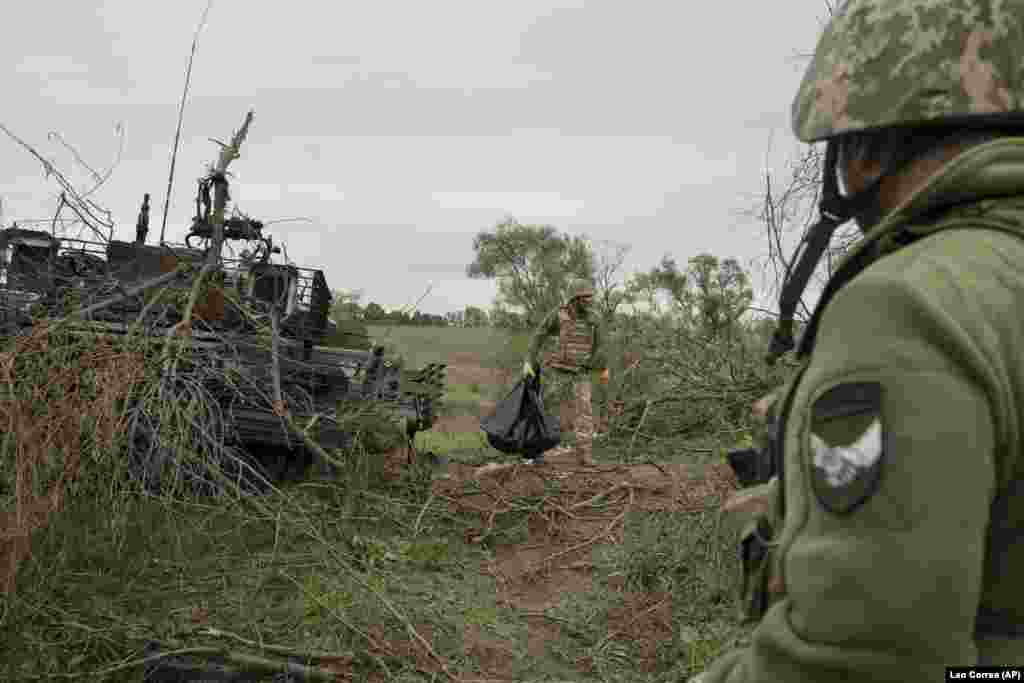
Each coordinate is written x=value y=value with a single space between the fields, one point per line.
x=605 y=376
x=528 y=369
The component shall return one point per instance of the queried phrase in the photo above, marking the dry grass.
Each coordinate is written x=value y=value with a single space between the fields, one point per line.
x=62 y=396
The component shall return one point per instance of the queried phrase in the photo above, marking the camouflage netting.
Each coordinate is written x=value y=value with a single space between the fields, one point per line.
x=63 y=422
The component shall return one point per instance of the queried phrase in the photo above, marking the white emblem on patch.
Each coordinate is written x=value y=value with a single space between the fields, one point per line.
x=841 y=464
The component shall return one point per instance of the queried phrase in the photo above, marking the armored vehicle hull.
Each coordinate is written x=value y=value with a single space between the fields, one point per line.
x=249 y=311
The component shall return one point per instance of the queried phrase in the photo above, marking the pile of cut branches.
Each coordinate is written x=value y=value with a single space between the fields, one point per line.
x=684 y=385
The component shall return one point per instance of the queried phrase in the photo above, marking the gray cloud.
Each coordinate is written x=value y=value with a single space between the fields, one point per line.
x=401 y=129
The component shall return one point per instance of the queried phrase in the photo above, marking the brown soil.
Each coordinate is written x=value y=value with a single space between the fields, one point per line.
x=555 y=557
x=465 y=368
x=554 y=560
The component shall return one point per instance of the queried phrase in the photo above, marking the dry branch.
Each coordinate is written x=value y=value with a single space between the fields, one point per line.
x=228 y=154
x=618 y=632
x=546 y=562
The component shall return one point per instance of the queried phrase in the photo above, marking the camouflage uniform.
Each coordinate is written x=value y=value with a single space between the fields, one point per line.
x=578 y=352
x=894 y=529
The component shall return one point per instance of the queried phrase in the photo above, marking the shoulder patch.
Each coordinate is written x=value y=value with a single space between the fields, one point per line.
x=847 y=445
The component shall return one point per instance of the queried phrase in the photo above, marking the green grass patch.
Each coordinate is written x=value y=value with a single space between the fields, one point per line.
x=422 y=345
x=310 y=567
x=103 y=583
x=494 y=348
x=692 y=558
x=466 y=447
x=462 y=399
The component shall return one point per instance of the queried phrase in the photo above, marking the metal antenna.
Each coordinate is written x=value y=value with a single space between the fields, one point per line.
x=181 y=115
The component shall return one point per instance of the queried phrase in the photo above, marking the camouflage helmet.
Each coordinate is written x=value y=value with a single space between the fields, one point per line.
x=581 y=287
x=884 y=63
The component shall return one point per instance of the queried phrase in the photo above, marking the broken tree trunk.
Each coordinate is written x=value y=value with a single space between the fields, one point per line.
x=228 y=153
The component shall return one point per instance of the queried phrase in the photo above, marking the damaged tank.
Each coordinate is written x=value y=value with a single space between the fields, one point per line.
x=40 y=272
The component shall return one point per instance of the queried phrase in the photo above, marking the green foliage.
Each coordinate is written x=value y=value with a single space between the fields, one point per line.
x=374 y=312
x=533 y=264
x=711 y=295
x=467 y=447
x=376 y=431
x=718 y=297
x=346 y=306
x=690 y=385
x=686 y=560
x=475 y=317
x=698 y=363
x=460 y=400
x=292 y=569
x=350 y=334
x=504 y=318
x=691 y=555
x=305 y=565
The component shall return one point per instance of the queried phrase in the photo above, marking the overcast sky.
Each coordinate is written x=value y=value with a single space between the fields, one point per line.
x=403 y=127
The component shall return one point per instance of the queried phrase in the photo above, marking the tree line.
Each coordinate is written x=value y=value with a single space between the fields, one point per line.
x=347 y=306
x=534 y=266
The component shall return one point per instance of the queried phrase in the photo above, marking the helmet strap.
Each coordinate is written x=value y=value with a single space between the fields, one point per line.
x=834 y=209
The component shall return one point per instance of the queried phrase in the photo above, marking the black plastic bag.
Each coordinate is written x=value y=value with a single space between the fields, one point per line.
x=751 y=466
x=519 y=424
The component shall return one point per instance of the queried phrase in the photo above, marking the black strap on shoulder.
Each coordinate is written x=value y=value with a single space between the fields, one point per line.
x=834 y=211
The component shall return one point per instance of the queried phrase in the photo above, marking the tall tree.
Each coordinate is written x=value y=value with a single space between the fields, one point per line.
x=718 y=293
x=533 y=264
x=501 y=317
x=710 y=295
x=374 y=312
x=475 y=317
x=661 y=281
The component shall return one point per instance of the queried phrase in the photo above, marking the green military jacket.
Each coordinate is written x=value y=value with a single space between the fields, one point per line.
x=900 y=544
x=552 y=326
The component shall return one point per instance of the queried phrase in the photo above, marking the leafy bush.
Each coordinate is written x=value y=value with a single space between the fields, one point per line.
x=686 y=383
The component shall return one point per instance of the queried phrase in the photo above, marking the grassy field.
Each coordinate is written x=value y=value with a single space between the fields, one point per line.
x=463 y=348
x=326 y=568
x=422 y=345
x=348 y=573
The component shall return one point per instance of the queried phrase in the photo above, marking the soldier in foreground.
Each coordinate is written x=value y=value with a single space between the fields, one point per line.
x=894 y=534
x=579 y=352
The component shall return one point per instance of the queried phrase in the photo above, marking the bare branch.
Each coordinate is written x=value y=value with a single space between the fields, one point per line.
x=84 y=208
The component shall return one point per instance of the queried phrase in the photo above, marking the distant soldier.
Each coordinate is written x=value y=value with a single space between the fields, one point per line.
x=578 y=353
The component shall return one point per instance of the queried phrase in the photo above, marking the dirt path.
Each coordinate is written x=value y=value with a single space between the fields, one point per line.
x=465 y=368
x=570 y=511
x=584 y=509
